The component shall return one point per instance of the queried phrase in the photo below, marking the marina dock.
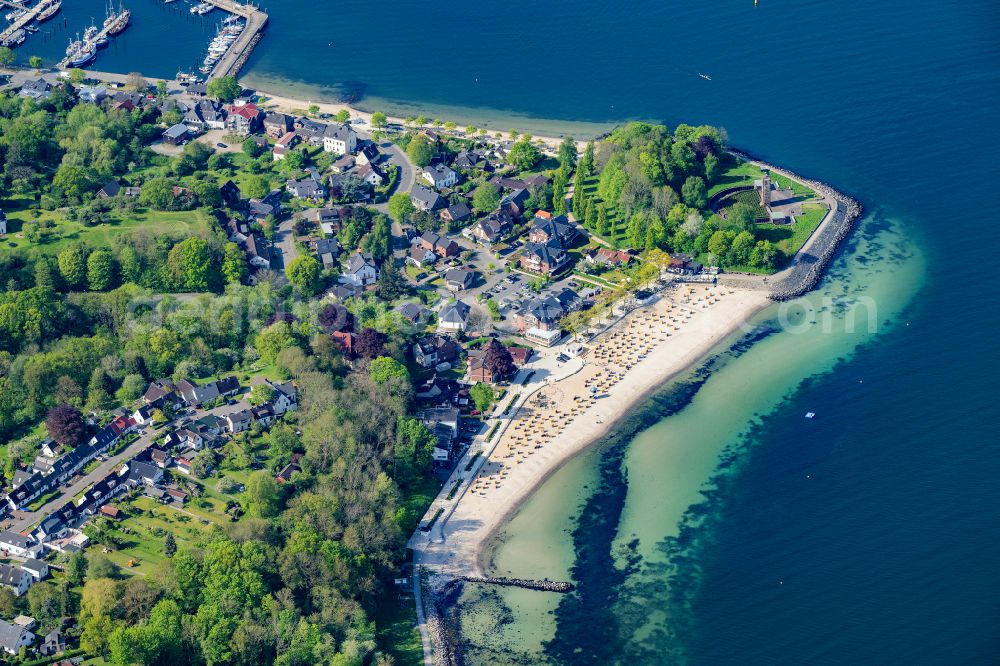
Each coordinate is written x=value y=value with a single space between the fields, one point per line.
x=234 y=59
x=22 y=21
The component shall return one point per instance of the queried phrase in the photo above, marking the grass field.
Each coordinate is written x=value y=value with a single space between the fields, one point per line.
x=789 y=239
x=743 y=173
x=64 y=231
x=395 y=614
x=143 y=535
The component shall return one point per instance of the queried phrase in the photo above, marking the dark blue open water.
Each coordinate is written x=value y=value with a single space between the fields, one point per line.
x=873 y=534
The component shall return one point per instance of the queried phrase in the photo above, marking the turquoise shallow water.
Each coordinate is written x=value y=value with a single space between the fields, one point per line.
x=866 y=535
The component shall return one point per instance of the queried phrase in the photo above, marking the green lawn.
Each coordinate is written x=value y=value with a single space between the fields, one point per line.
x=742 y=173
x=144 y=530
x=790 y=238
x=169 y=223
x=396 y=632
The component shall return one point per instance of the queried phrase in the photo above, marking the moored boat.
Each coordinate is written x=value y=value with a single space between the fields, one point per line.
x=51 y=10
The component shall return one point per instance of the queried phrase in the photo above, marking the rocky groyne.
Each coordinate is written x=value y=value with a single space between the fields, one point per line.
x=808 y=267
x=442 y=623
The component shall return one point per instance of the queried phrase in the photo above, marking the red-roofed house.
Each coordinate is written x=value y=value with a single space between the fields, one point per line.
x=243 y=119
x=345 y=341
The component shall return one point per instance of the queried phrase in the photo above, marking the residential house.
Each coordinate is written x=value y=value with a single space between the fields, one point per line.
x=328 y=219
x=36 y=89
x=205 y=115
x=310 y=130
x=184 y=438
x=549 y=230
x=456 y=213
x=109 y=190
x=454 y=316
x=231 y=194
x=160 y=458
x=183 y=465
x=345 y=342
x=236 y=422
x=539 y=320
x=176 y=135
x=258 y=251
x=92 y=94
x=458 y=279
x=263 y=415
x=343 y=164
x=19 y=545
x=112 y=512
x=440 y=245
x=515 y=203
x=424 y=199
x=13 y=637
x=412 y=312
x=285 y=475
x=368 y=154
x=307 y=188
x=243 y=119
x=39 y=570
x=286 y=397
x=53 y=644
x=360 y=270
x=371 y=174
x=420 y=256
x=478 y=370
x=143 y=473
x=434 y=350
x=327 y=250
x=277 y=124
x=161 y=391
x=439 y=176
x=605 y=256
x=492 y=229
x=339 y=139
x=544 y=258
x=15 y=579
x=284 y=144
x=469 y=160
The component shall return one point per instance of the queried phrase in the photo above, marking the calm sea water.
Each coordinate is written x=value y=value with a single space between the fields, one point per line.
x=734 y=531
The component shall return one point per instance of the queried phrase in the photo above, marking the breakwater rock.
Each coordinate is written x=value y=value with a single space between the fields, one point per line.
x=443 y=623
x=807 y=268
x=527 y=584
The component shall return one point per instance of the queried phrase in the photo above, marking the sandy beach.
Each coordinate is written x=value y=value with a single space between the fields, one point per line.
x=558 y=418
x=298 y=106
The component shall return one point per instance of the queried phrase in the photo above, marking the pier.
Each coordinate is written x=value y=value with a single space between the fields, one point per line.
x=22 y=21
x=234 y=59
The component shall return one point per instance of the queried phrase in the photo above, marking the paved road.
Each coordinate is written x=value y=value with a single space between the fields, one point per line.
x=284 y=244
x=407 y=175
x=25 y=519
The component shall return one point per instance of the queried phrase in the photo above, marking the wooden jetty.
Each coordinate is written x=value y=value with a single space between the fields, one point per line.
x=30 y=14
x=234 y=59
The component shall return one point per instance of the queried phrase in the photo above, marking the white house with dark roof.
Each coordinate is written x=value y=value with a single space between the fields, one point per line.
x=424 y=199
x=360 y=270
x=36 y=568
x=15 y=579
x=339 y=139
x=19 y=545
x=453 y=316
x=439 y=176
x=307 y=188
x=14 y=637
